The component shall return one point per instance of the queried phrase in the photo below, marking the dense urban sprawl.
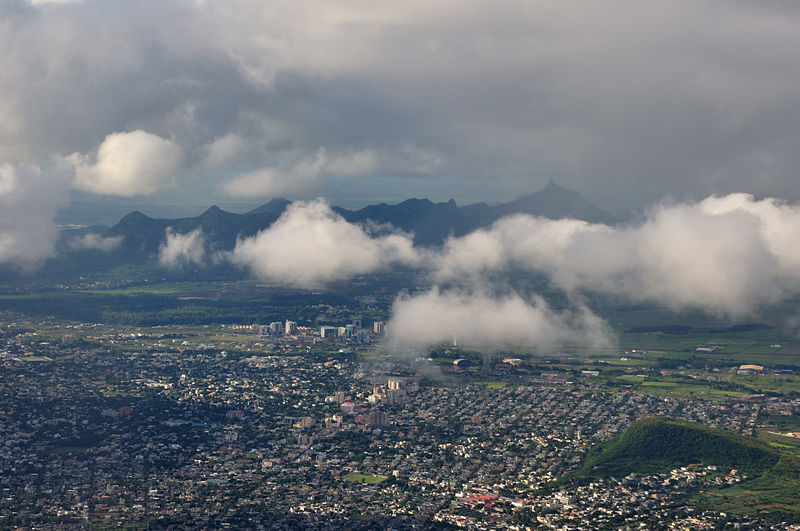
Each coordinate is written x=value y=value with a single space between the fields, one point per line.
x=152 y=427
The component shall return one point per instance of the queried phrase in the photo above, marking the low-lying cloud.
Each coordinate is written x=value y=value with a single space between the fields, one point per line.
x=182 y=249
x=128 y=164
x=727 y=255
x=489 y=322
x=96 y=241
x=310 y=245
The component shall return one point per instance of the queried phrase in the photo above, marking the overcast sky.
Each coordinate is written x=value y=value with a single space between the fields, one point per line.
x=238 y=101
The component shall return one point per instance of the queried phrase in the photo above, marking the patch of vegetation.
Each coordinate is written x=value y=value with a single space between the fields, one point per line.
x=36 y=358
x=368 y=479
x=656 y=445
x=784 y=422
x=493 y=384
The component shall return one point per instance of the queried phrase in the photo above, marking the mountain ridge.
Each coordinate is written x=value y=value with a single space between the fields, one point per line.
x=430 y=222
x=136 y=239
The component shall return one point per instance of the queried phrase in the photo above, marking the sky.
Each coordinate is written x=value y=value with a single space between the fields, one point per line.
x=238 y=101
x=169 y=106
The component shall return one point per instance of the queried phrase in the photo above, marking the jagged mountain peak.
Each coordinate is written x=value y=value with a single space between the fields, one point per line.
x=556 y=202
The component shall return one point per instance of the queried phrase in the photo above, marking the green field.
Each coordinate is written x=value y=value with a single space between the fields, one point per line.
x=368 y=479
x=36 y=359
x=162 y=288
x=493 y=384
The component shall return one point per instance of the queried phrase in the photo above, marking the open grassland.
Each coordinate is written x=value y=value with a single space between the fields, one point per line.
x=162 y=288
x=368 y=479
x=770 y=495
x=773 y=437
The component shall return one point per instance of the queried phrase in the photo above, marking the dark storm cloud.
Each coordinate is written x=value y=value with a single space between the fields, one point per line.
x=626 y=101
x=657 y=97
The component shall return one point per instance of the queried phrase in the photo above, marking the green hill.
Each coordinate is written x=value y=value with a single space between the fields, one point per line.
x=658 y=444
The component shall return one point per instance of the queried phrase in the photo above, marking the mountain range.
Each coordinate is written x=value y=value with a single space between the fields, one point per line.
x=430 y=223
x=138 y=237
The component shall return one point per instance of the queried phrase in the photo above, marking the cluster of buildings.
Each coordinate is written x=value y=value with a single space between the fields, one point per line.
x=278 y=328
x=126 y=430
x=350 y=333
x=647 y=502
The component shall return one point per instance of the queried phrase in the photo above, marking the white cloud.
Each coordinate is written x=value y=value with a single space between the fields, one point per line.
x=725 y=254
x=29 y=198
x=487 y=322
x=96 y=241
x=310 y=245
x=128 y=164
x=779 y=225
x=182 y=249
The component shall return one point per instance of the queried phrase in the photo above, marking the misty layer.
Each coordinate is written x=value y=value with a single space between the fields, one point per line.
x=724 y=254
x=96 y=241
x=272 y=181
x=182 y=249
x=483 y=321
x=310 y=245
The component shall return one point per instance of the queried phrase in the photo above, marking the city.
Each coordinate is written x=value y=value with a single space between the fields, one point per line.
x=170 y=426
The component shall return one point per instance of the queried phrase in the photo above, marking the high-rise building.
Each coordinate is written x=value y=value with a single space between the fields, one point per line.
x=276 y=328
x=290 y=329
x=379 y=327
x=395 y=384
x=377 y=418
x=327 y=332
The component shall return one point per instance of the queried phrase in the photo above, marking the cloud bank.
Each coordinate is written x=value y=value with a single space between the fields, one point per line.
x=726 y=254
x=489 y=322
x=96 y=241
x=310 y=245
